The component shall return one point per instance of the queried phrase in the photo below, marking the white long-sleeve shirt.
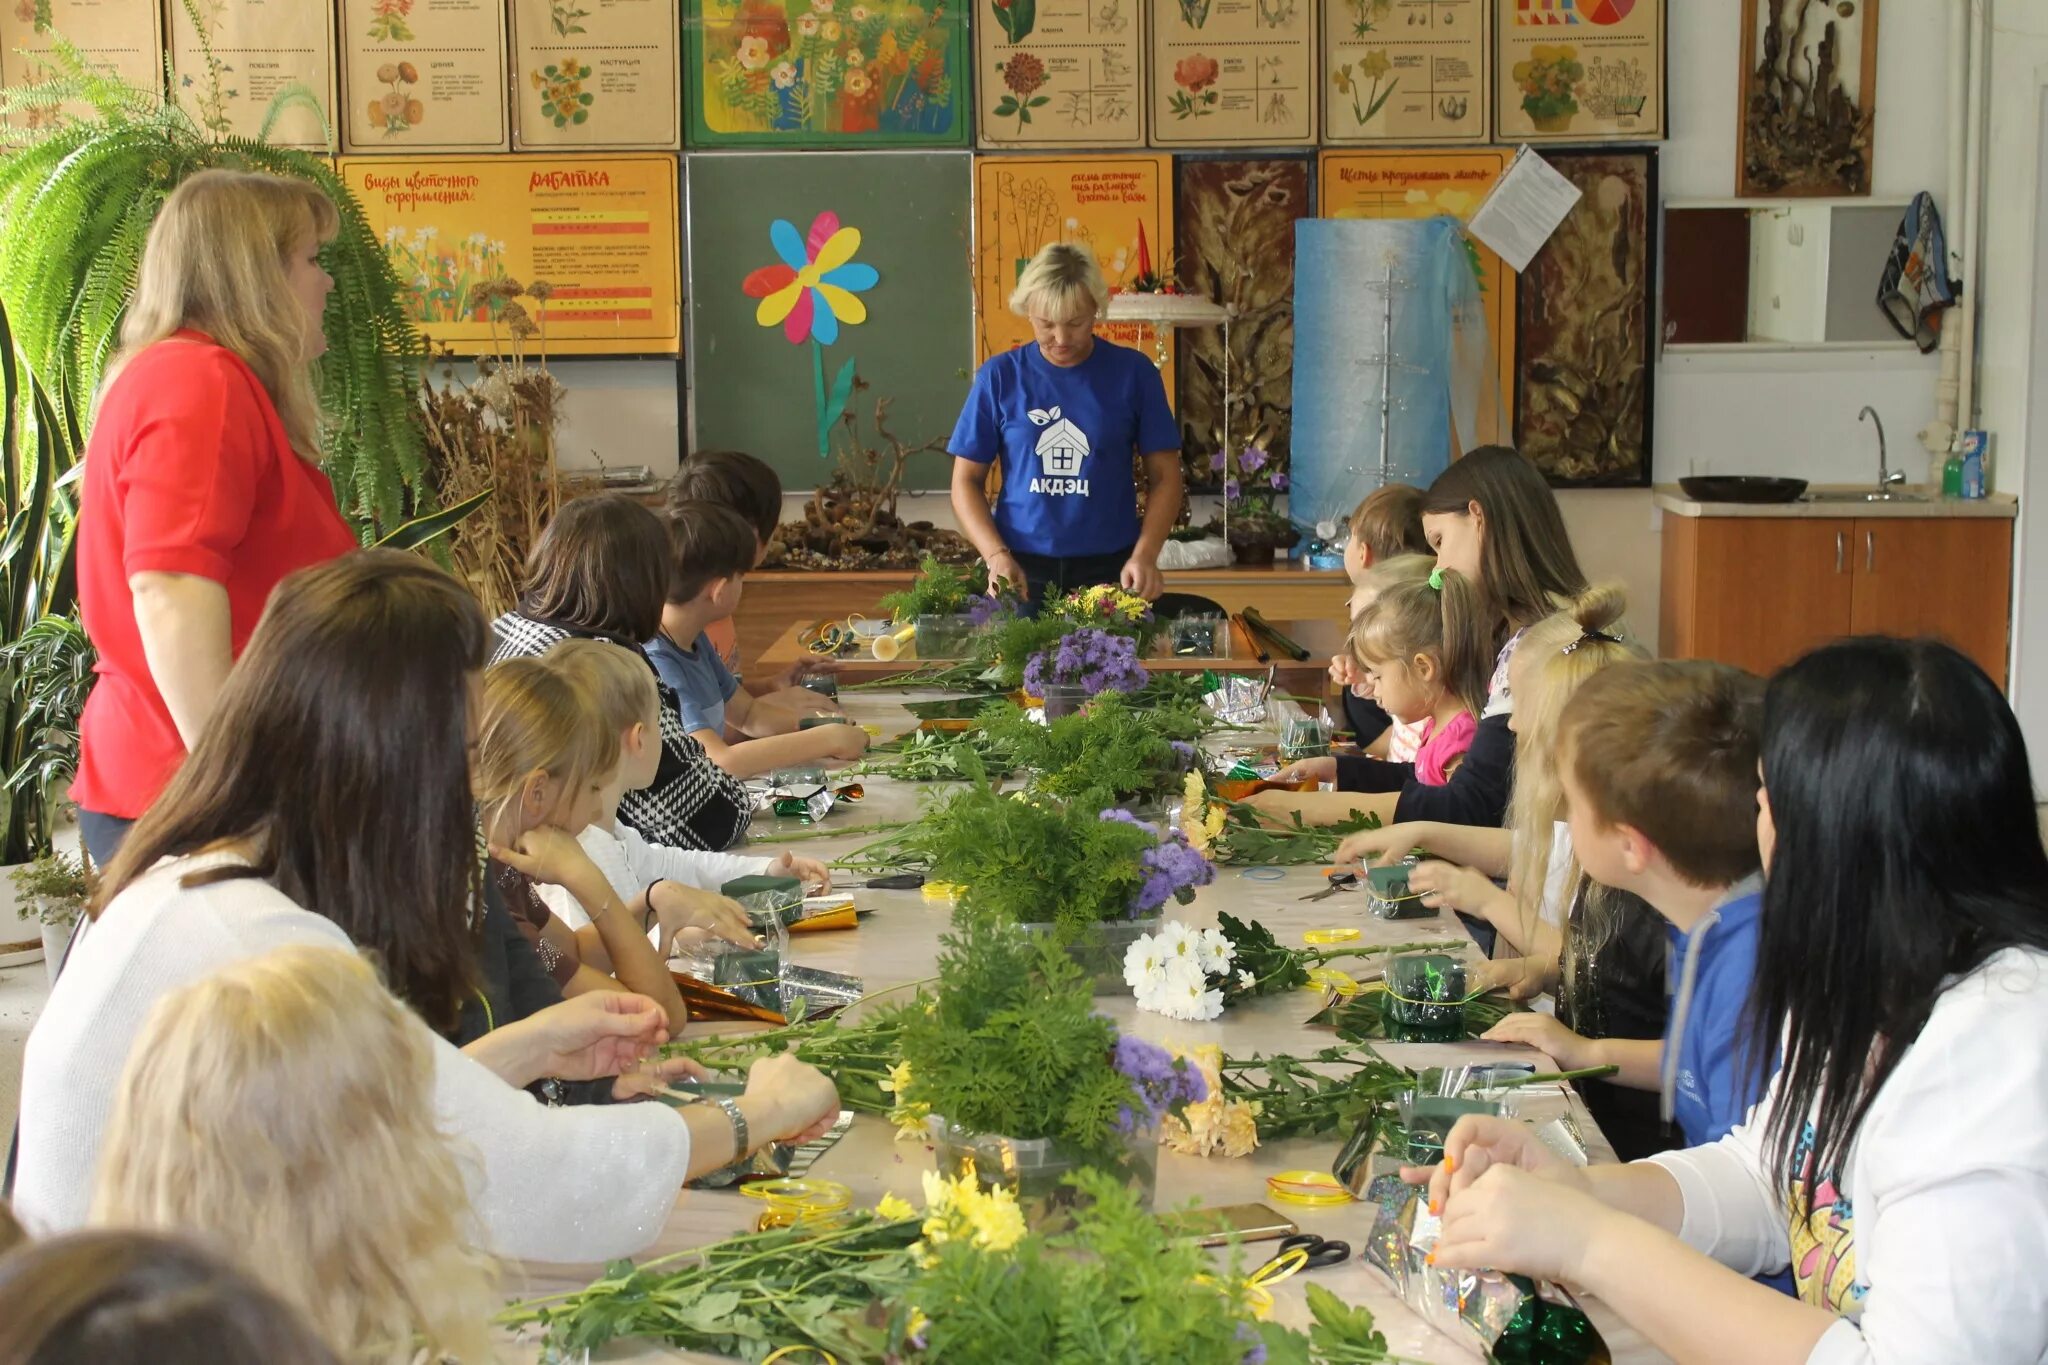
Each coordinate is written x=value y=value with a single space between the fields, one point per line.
x=630 y=864
x=1930 y=1248
x=571 y=1184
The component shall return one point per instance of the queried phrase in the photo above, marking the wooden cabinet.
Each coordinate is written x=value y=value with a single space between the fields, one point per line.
x=1760 y=591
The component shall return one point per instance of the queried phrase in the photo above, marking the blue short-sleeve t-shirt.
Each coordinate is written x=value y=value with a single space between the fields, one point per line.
x=699 y=678
x=1066 y=437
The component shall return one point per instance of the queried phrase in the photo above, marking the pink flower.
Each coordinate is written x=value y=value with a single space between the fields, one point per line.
x=1196 y=74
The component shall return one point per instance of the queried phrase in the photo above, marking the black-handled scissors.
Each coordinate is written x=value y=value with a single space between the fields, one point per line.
x=1306 y=1251
x=900 y=881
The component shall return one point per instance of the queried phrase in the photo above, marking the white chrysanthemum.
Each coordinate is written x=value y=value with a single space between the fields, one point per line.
x=1214 y=952
x=1178 y=941
x=1144 y=961
x=1246 y=980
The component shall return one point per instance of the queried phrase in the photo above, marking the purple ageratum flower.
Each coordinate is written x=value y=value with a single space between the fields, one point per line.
x=1279 y=482
x=1253 y=460
x=1255 y=1352
x=983 y=609
x=1161 y=1081
x=1124 y=817
x=1173 y=869
x=1094 y=660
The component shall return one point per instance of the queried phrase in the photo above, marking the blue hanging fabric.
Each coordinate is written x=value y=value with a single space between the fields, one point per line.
x=1433 y=356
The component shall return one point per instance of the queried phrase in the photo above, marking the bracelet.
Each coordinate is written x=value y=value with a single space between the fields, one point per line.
x=1004 y=553
x=740 y=1145
x=647 y=920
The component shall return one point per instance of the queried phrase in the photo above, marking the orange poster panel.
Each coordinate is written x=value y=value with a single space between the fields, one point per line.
x=1424 y=184
x=601 y=230
x=1121 y=207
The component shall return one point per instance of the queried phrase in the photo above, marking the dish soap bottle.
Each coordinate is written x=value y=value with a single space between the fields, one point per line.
x=1952 y=472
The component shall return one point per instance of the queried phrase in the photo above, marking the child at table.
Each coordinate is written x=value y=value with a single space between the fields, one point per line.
x=753 y=489
x=282 y=1112
x=543 y=759
x=1896 y=1164
x=712 y=547
x=1657 y=767
x=675 y=888
x=1421 y=646
x=1387 y=525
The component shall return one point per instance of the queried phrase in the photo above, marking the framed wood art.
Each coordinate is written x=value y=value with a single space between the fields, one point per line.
x=1809 y=98
x=1579 y=71
x=1406 y=71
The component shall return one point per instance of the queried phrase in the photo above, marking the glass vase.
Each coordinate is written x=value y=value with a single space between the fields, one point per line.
x=1034 y=1170
x=1099 y=949
x=1425 y=999
x=944 y=637
x=1063 y=699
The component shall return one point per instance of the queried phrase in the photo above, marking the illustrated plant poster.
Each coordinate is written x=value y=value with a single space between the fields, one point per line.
x=824 y=288
x=121 y=37
x=600 y=230
x=259 y=48
x=1059 y=73
x=827 y=73
x=1232 y=73
x=1578 y=70
x=1411 y=71
x=1120 y=207
x=1390 y=184
x=424 y=75
x=597 y=73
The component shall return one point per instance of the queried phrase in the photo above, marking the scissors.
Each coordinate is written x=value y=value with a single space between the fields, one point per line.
x=1339 y=881
x=1302 y=1251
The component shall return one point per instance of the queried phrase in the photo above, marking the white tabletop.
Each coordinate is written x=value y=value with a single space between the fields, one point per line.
x=898 y=944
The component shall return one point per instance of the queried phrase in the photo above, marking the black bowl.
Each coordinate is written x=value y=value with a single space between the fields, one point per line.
x=1742 y=488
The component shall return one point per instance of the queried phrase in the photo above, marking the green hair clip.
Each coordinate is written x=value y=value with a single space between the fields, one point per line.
x=1436 y=579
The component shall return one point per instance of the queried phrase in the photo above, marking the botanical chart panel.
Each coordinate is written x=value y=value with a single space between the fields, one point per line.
x=121 y=37
x=1230 y=73
x=597 y=73
x=1578 y=71
x=1059 y=73
x=830 y=308
x=424 y=75
x=1236 y=243
x=826 y=73
x=1120 y=207
x=260 y=48
x=1584 y=337
x=1389 y=184
x=600 y=231
x=1411 y=71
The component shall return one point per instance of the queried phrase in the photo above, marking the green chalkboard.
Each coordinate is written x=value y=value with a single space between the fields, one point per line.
x=755 y=221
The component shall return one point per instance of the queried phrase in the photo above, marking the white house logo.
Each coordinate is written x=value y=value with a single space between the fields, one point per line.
x=1062 y=449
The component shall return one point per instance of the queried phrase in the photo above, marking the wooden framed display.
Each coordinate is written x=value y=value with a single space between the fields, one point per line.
x=1410 y=71
x=597 y=73
x=601 y=230
x=1578 y=70
x=1423 y=184
x=1809 y=99
x=259 y=48
x=1233 y=73
x=826 y=73
x=121 y=37
x=1120 y=207
x=1059 y=73
x=424 y=76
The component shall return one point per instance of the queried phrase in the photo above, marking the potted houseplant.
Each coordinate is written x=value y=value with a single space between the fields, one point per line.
x=1549 y=79
x=1254 y=525
x=54 y=888
x=1022 y=1083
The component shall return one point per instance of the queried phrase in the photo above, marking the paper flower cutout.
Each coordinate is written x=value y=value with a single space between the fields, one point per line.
x=814 y=289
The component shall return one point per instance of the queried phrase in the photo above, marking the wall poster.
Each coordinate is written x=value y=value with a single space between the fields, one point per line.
x=597 y=73
x=259 y=48
x=600 y=230
x=1578 y=70
x=1059 y=73
x=424 y=75
x=1233 y=73
x=121 y=37
x=1412 y=71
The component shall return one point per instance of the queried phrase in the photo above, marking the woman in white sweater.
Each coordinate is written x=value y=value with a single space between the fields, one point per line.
x=328 y=802
x=1899 y=1163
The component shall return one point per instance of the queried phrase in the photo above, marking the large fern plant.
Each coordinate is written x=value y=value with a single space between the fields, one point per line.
x=76 y=202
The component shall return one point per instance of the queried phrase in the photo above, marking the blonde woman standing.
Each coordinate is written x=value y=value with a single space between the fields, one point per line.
x=1065 y=416
x=281 y=1111
x=202 y=480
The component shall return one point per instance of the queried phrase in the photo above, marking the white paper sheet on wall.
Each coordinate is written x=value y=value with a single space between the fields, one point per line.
x=1526 y=205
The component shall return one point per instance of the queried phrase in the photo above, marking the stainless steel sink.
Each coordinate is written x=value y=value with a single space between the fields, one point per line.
x=1850 y=495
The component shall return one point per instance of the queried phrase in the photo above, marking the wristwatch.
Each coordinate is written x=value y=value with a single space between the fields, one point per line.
x=741 y=1146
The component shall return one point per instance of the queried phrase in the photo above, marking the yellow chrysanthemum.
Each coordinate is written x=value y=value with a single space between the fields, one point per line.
x=961 y=1209
x=894 y=1209
x=997 y=1221
x=1215 y=1126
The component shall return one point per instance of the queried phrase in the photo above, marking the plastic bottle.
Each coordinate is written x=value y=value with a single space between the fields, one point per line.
x=1952 y=473
x=1973 y=464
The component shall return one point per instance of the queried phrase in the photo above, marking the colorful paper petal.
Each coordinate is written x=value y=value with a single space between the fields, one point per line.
x=778 y=305
x=822 y=228
x=824 y=325
x=789 y=246
x=844 y=306
x=768 y=280
x=855 y=277
x=838 y=249
x=797 y=325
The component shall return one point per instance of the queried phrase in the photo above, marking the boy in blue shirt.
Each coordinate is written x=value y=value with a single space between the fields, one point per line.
x=1658 y=765
x=714 y=546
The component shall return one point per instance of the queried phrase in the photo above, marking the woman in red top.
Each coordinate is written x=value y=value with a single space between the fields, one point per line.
x=202 y=478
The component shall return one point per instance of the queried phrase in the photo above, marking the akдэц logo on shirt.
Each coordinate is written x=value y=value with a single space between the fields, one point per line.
x=1062 y=449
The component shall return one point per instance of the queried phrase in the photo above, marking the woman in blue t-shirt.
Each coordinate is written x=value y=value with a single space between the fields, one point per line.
x=1065 y=415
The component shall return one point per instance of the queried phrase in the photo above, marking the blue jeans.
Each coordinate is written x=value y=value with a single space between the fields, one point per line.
x=104 y=835
x=1060 y=576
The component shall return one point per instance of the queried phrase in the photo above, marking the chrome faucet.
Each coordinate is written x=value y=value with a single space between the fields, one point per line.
x=1886 y=475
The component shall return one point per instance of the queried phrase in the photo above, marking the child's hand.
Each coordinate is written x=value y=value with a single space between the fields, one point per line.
x=843 y=741
x=1527 y=1222
x=1344 y=670
x=678 y=907
x=1381 y=847
x=551 y=854
x=1546 y=1035
x=1308 y=770
x=1446 y=886
x=816 y=876
x=1523 y=978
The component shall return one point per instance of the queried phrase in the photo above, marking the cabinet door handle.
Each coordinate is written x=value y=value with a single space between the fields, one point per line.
x=1870 y=552
x=1841 y=548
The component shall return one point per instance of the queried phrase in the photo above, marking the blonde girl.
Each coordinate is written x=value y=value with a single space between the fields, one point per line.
x=1424 y=651
x=1397 y=742
x=202 y=480
x=545 y=759
x=282 y=1110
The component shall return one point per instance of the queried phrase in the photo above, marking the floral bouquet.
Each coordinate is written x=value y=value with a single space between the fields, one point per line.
x=1089 y=659
x=1173 y=867
x=1179 y=972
